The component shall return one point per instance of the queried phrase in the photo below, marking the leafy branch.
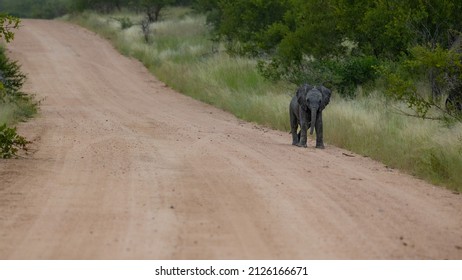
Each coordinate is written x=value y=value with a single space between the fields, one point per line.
x=444 y=71
x=11 y=142
x=7 y=23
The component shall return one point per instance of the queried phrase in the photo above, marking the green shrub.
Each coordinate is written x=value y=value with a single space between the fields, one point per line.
x=344 y=75
x=10 y=75
x=355 y=71
x=440 y=70
x=10 y=142
x=125 y=22
x=14 y=106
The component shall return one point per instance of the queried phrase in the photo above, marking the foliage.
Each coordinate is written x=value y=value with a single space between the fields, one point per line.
x=309 y=71
x=11 y=142
x=345 y=73
x=294 y=38
x=152 y=8
x=11 y=81
x=354 y=71
x=379 y=28
x=125 y=22
x=7 y=23
x=11 y=77
x=288 y=29
x=248 y=22
x=445 y=66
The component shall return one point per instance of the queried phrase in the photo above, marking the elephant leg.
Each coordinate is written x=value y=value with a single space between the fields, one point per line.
x=318 y=127
x=295 y=138
x=303 y=132
x=293 y=128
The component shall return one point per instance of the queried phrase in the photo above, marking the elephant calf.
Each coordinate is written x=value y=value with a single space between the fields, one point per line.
x=306 y=110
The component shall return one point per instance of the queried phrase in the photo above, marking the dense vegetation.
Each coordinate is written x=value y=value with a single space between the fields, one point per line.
x=384 y=59
x=15 y=105
x=351 y=43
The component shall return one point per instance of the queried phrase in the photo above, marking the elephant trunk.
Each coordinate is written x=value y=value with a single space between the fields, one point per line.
x=313 y=119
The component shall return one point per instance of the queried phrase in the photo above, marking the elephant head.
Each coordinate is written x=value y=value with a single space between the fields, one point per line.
x=313 y=99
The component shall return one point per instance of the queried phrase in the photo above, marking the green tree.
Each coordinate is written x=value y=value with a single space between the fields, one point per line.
x=289 y=29
x=403 y=79
x=292 y=38
x=341 y=41
x=251 y=26
x=152 y=8
x=379 y=28
x=389 y=28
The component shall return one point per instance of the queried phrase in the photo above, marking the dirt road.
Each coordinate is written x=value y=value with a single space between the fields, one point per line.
x=123 y=167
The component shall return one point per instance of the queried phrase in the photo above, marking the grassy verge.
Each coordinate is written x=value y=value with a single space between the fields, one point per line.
x=180 y=53
x=17 y=110
x=423 y=148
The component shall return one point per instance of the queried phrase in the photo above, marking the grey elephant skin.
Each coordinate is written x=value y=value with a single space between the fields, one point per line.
x=306 y=111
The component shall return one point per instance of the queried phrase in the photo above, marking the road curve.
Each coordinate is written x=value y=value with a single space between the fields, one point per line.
x=122 y=167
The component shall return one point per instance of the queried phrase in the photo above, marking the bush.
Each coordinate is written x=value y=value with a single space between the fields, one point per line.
x=309 y=71
x=10 y=142
x=15 y=106
x=344 y=75
x=439 y=70
x=10 y=75
x=354 y=71
x=125 y=22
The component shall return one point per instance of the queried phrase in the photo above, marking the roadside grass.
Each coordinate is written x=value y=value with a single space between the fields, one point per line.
x=17 y=110
x=371 y=127
x=6 y=113
x=181 y=54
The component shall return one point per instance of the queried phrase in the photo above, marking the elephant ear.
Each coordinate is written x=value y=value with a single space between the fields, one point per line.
x=301 y=96
x=326 y=93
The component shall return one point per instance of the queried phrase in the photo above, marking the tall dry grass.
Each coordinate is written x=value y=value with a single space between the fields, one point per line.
x=373 y=127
